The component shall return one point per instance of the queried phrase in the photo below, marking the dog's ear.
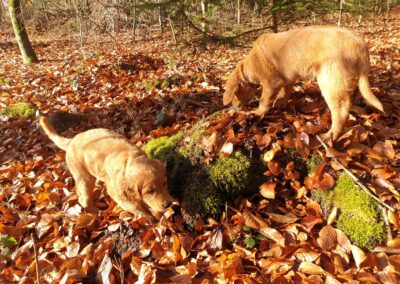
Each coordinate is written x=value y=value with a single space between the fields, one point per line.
x=232 y=87
x=229 y=94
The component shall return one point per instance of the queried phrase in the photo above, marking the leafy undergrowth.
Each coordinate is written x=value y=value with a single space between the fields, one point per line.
x=145 y=90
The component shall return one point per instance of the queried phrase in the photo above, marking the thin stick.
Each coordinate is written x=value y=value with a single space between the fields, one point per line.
x=386 y=222
x=387 y=250
x=355 y=179
x=36 y=260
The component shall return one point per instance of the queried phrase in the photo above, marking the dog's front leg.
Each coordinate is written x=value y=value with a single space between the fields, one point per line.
x=84 y=190
x=266 y=99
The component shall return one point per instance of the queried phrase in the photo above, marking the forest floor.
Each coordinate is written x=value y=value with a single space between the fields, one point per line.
x=150 y=88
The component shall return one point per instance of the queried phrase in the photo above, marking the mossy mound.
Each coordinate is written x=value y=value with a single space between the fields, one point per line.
x=204 y=188
x=359 y=217
x=19 y=110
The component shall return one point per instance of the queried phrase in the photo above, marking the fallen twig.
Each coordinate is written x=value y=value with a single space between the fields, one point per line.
x=36 y=260
x=386 y=222
x=387 y=250
x=355 y=179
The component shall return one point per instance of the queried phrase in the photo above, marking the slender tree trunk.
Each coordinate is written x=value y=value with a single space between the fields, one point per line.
x=388 y=4
x=2 y=13
x=203 y=13
x=341 y=2
x=238 y=15
x=203 y=21
x=171 y=24
x=274 y=16
x=134 y=24
x=25 y=46
x=160 y=23
x=360 y=12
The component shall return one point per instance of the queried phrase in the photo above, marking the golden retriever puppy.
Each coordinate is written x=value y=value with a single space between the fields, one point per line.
x=335 y=57
x=137 y=183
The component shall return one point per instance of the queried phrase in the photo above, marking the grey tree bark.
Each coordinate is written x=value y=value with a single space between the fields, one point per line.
x=25 y=46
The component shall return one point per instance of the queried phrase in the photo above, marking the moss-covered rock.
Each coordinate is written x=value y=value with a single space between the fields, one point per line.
x=19 y=110
x=204 y=188
x=359 y=217
x=230 y=172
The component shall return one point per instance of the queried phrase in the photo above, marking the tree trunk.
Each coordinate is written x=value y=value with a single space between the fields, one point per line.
x=203 y=21
x=274 y=16
x=160 y=23
x=2 y=13
x=25 y=46
x=134 y=24
x=203 y=13
x=341 y=2
x=388 y=4
x=238 y=12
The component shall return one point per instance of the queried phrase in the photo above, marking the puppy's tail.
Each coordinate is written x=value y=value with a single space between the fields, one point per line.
x=60 y=141
x=365 y=90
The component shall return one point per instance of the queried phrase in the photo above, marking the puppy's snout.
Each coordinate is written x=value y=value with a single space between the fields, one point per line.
x=167 y=204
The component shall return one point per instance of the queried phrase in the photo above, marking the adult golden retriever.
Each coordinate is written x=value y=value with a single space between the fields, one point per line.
x=337 y=58
x=137 y=183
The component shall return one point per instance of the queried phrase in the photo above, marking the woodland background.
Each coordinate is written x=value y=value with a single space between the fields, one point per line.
x=149 y=69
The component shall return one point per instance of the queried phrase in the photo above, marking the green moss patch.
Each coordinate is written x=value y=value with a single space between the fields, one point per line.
x=359 y=217
x=313 y=163
x=204 y=188
x=19 y=110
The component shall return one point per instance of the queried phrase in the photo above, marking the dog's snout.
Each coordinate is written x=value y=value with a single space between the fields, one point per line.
x=167 y=204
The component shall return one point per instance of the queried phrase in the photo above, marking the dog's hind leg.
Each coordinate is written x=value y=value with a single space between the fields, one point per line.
x=283 y=96
x=335 y=88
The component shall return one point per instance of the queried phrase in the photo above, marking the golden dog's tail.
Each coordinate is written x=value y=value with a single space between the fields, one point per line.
x=365 y=90
x=59 y=140
x=363 y=82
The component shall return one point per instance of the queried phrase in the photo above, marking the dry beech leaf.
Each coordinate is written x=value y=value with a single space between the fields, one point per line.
x=268 y=156
x=274 y=167
x=327 y=238
x=358 y=255
x=343 y=240
x=394 y=218
x=289 y=218
x=366 y=277
x=388 y=277
x=395 y=243
x=273 y=266
x=103 y=273
x=227 y=148
x=332 y=216
x=311 y=268
x=331 y=280
x=385 y=149
x=267 y=190
x=252 y=221
x=274 y=235
x=216 y=240
x=308 y=255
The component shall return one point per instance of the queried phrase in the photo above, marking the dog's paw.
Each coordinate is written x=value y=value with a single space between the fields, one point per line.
x=259 y=113
x=92 y=209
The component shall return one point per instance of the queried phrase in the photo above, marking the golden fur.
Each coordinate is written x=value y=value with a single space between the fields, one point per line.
x=137 y=183
x=335 y=57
